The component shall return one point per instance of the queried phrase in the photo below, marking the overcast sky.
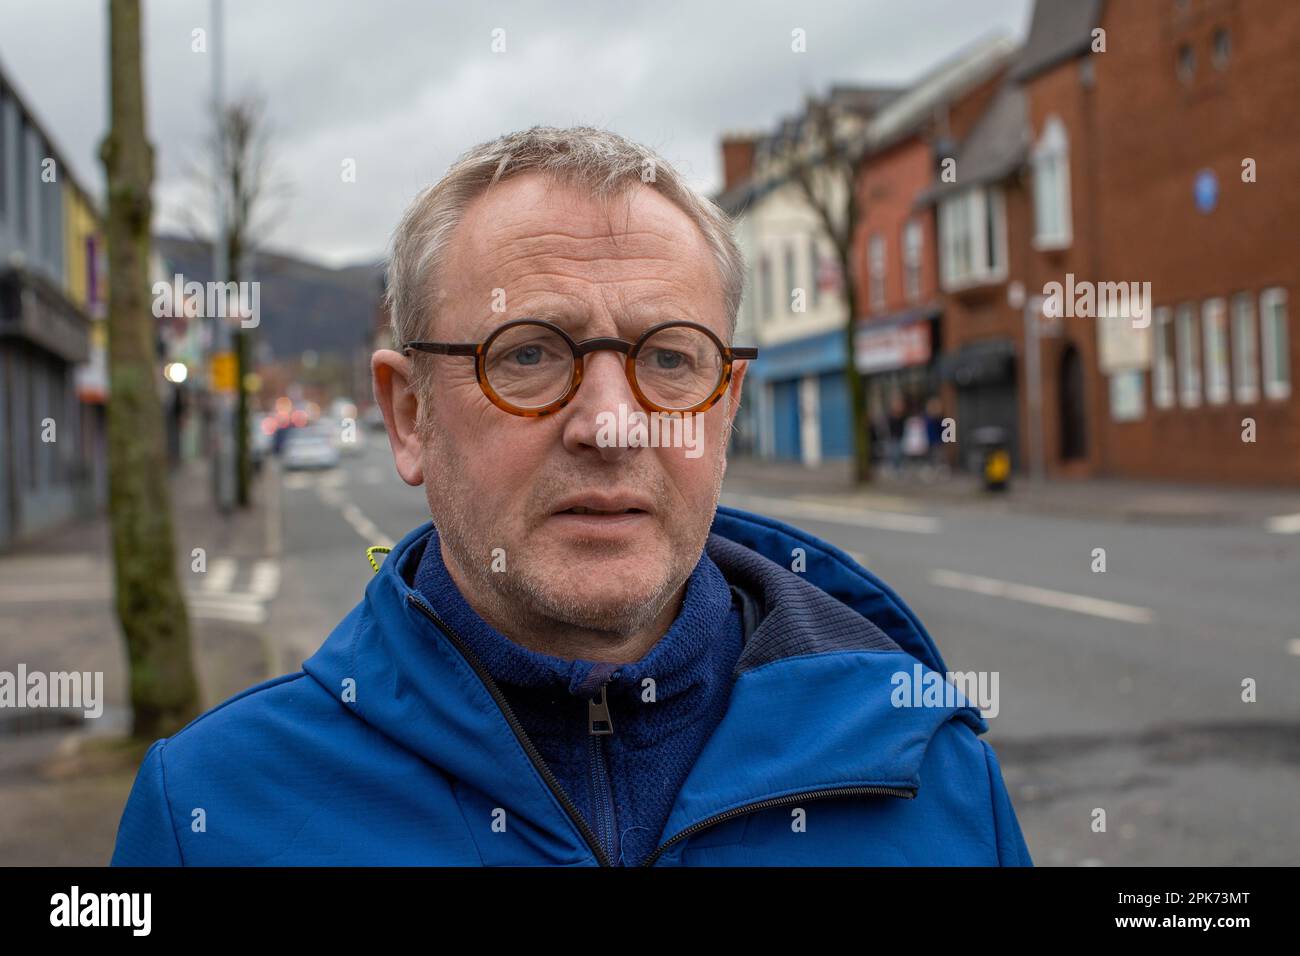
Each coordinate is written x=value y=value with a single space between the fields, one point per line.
x=404 y=87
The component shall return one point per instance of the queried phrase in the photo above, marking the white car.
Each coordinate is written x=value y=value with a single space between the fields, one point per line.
x=311 y=447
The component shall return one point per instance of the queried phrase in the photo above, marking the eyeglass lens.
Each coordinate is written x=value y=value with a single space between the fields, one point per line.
x=531 y=366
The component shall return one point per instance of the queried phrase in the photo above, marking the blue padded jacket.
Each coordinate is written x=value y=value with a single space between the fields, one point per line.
x=393 y=746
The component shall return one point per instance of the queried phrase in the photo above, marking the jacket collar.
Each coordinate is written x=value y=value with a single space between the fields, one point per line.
x=810 y=710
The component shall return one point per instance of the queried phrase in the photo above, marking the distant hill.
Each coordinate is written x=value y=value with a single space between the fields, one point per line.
x=303 y=305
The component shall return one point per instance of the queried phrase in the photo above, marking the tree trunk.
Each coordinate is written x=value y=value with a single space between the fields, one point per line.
x=164 y=692
x=860 y=414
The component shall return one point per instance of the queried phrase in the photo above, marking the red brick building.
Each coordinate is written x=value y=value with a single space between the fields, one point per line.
x=900 y=335
x=1123 y=150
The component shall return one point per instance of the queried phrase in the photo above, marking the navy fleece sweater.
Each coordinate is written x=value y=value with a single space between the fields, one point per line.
x=624 y=783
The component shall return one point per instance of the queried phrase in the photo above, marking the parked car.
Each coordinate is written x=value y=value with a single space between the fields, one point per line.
x=261 y=428
x=310 y=447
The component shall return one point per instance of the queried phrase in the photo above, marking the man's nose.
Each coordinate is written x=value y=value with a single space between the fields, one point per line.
x=594 y=414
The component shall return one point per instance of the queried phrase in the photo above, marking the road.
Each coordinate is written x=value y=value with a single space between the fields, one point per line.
x=1119 y=691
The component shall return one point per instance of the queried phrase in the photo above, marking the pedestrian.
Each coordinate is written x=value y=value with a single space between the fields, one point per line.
x=582 y=660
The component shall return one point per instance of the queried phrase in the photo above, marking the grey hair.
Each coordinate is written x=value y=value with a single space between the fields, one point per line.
x=603 y=162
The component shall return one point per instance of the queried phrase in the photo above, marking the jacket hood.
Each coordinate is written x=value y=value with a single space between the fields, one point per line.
x=810 y=708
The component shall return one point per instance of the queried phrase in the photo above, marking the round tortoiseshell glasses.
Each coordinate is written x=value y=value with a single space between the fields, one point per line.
x=533 y=367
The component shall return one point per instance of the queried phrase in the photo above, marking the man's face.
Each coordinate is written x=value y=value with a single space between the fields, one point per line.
x=500 y=481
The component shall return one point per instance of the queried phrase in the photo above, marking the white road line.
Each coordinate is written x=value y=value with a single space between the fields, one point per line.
x=1284 y=524
x=61 y=593
x=1293 y=647
x=238 y=608
x=221 y=574
x=1078 y=603
x=363 y=526
x=265 y=581
x=835 y=514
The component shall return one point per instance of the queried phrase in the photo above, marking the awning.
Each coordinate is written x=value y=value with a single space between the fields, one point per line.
x=987 y=362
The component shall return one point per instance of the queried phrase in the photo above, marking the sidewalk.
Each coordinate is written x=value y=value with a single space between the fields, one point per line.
x=64 y=779
x=1130 y=501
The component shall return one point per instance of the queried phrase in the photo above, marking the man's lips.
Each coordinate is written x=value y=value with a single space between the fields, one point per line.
x=598 y=505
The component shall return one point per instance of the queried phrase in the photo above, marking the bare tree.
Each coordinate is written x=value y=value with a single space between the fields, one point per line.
x=150 y=606
x=240 y=146
x=823 y=164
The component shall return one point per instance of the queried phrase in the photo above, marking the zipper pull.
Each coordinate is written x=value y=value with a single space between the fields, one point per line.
x=598 y=721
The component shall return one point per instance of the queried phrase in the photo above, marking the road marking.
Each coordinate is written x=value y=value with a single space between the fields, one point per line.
x=1293 y=647
x=1078 y=603
x=237 y=608
x=61 y=593
x=1284 y=524
x=835 y=514
x=220 y=575
x=363 y=526
x=265 y=580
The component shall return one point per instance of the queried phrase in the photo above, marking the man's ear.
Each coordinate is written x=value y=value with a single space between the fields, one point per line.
x=391 y=373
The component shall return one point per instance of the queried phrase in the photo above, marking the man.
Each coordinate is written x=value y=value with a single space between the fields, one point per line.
x=581 y=660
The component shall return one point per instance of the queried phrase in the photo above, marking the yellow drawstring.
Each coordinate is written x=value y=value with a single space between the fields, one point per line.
x=370 y=555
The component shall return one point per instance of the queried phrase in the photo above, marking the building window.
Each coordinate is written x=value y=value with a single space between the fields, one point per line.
x=1165 y=361
x=1222 y=48
x=1189 y=357
x=791 y=280
x=876 y=272
x=1186 y=63
x=22 y=179
x=1127 y=400
x=1214 y=322
x=1276 y=351
x=913 y=242
x=4 y=151
x=972 y=228
x=766 y=301
x=1051 y=161
x=1245 y=349
x=814 y=270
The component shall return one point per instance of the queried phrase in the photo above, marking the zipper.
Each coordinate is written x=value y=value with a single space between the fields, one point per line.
x=529 y=747
x=907 y=793
x=600 y=726
x=593 y=842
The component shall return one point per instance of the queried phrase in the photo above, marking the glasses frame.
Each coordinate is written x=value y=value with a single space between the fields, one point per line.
x=581 y=350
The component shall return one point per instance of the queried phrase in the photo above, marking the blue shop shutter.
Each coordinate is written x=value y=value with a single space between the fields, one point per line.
x=836 y=422
x=785 y=410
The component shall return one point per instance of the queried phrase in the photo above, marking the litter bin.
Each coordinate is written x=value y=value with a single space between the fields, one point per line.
x=991 y=443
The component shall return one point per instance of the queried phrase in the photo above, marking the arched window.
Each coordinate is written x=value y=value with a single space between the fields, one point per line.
x=1051 y=160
